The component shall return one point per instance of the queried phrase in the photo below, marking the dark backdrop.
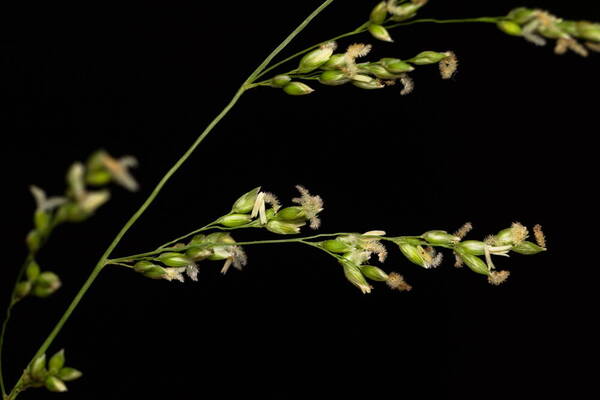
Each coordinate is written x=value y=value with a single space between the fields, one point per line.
x=508 y=138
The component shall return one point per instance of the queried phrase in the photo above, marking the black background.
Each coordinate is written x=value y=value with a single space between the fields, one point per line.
x=508 y=138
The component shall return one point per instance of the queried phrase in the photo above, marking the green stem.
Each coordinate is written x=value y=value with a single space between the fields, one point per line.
x=103 y=260
x=135 y=257
x=491 y=20
x=204 y=228
x=13 y=301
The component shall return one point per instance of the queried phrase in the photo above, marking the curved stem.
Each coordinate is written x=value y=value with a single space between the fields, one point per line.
x=102 y=262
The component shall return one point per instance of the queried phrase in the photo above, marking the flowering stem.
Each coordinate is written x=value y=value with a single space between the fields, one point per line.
x=160 y=250
x=103 y=260
x=364 y=28
x=305 y=240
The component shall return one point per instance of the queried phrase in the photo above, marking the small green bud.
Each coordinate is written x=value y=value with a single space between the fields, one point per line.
x=404 y=12
x=379 y=13
x=473 y=247
x=70 y=212
x=379 y=32
x=336 y=246
x=149 y=270
x=396 y=66
x=474 y=263
x=233 y=220
x=284 y=228
x=521 y=15
x=373 y=273
x=22 y=289
x=510 y=28
x=38 y=368
x=99 y=177
x=57 y=361
x=46 y=284
x=314 y=59
x=172 y=259
x=54 y=384
x=68 y=374
x=33 y=240
x=297 y=89
x=589 y=30
x=527 y=248
x=377 y=69
x=428 y=57
x=198 y=253
x=413 y=253
x=333 y=78
x=245 y=203
x=32 y=271
x=354 y=276
x=280 y=80
x=41 y=220
x=291 y=213
x=156 y=272
x=440 y=237
x=366 y=82
x=336 y=61
x=143 y=266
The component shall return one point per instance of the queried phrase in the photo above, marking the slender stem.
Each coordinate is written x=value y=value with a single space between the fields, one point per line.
x=491 y=20
x=102 y=262
x=204 y=228
x=135 y=257
x=13 y=301
x=261 y=68
x=305 y=239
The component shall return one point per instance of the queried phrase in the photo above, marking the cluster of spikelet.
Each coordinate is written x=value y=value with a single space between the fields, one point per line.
x=86 y=192
x=335 y=69
x=353 y=251
x=537 y=26
x=356 y=250
x=255 y=209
